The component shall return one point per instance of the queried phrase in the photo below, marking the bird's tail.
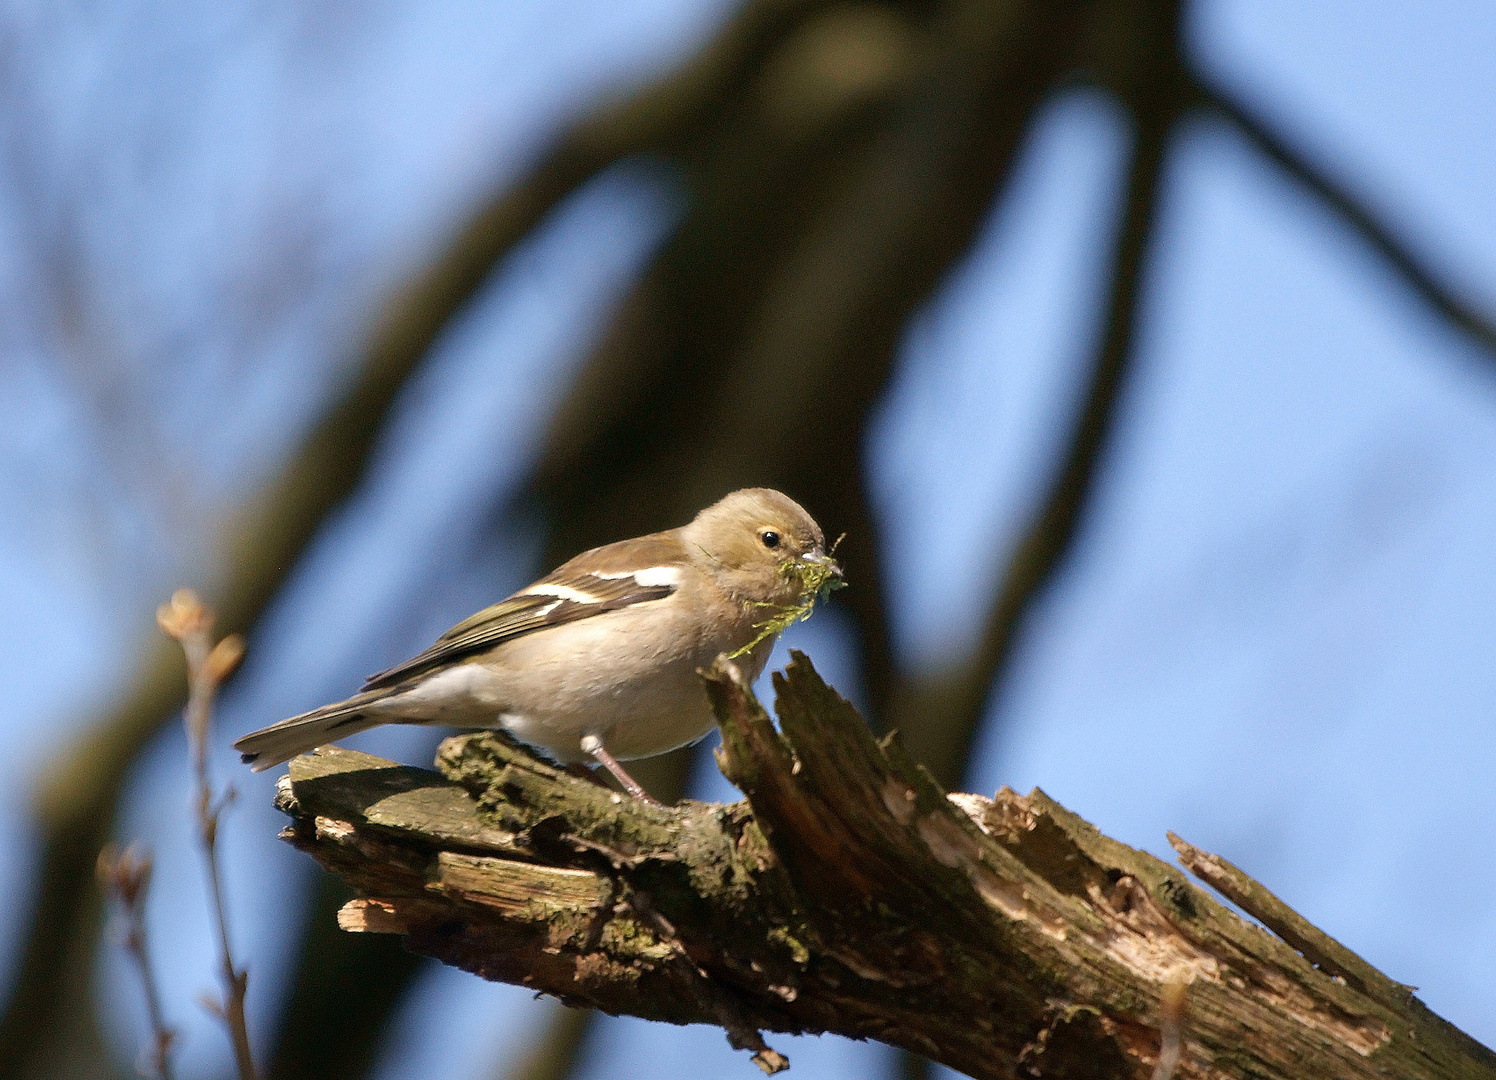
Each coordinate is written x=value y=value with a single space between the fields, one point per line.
x=281 y=742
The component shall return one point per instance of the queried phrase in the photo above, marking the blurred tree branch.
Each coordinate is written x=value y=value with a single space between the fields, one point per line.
x=790 y=282
x=850 y=894
x=938 y=715
x=1332 y=191
x=808 y=241
x=552 y=1055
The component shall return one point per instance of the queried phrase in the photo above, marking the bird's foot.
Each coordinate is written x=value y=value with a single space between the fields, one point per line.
x=592 y=745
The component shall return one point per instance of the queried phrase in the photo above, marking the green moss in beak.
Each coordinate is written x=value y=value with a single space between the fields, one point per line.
x=818 y=577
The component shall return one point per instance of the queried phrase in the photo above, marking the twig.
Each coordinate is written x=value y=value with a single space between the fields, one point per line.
x=125 y=876
x=1316 y=946
x=190 y=622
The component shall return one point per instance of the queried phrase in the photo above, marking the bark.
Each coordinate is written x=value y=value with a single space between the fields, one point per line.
x=850 y=894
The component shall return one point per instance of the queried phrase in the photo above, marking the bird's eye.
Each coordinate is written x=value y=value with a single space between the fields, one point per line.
x=770 y=538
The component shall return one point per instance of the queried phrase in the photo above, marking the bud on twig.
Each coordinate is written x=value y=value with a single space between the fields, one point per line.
x=124 y=875
x=224 y=659
x=184 y=615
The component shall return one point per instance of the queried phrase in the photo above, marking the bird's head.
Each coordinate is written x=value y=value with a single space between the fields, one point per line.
x=764 y=548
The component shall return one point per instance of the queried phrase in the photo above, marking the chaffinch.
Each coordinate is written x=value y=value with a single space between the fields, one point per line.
x=598 y=659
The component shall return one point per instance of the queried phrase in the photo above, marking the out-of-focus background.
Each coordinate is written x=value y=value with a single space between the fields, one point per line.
x=1144 y=354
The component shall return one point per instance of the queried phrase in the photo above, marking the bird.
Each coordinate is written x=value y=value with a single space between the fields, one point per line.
x=597 y=661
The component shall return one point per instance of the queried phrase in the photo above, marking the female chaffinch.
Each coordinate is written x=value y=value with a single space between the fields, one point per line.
x=599 y=658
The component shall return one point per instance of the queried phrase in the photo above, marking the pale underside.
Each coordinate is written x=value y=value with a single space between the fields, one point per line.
x=613 y=675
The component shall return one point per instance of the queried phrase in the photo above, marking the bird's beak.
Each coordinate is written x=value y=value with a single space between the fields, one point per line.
x=820 y=558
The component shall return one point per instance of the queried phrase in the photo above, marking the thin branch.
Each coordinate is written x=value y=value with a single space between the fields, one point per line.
x=190 y=623
x=1319 y=948
x=1374 y=229
x=125 y=877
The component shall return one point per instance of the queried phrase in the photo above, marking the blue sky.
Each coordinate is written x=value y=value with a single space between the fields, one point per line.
x=1274 y=638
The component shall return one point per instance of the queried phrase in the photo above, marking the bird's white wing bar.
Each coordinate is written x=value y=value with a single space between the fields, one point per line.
x=564 y=592
x=648 y=577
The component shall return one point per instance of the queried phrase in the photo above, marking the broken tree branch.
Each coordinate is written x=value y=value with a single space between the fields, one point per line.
x=848 y=894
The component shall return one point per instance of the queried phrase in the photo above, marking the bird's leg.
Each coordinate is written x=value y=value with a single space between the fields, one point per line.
x=591 y=744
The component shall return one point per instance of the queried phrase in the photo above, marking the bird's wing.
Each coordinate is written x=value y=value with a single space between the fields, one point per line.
x=589 y=585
